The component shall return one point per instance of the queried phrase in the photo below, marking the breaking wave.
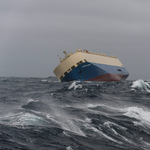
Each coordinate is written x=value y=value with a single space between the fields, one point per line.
x=142 y=85
x=142 y=117
x=47 y=114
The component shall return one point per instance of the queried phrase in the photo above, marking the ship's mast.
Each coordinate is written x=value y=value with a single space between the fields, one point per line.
x=65 y=53
x=59 y=58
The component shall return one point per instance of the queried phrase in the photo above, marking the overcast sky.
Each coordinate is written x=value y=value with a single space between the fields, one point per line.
x=34 y=32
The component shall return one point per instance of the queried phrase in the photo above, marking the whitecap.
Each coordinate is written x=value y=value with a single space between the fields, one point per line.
x=44 y=80
x=75 y=85
x=27 y=119
x=101 y=133
x=140 y=84
x=66 y=123
x=66 y=133
x=52 y=118
x=111 y=125
x=86 y=90
x=142 y=117
x=69 y=148
x=70 y=125
x=94 y=105
x=56 y=81
x=88 y=120
x=31 y=100
x=21 y=118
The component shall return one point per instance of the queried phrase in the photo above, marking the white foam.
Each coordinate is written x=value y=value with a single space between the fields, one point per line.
x=141 y=85
x=26 y=119
x=52 y=118
x=94 y=105
x=21 y=118
x=88 y=120
x=75 y=85
x=44 y=80
x=66 y=133
x=99 y=132
x=31 y=100
x=111 y=125
x=56 y=81
x=103 y=106
x=69 y=148
x=143 y=117
x=66 y=123
x=86 y=90
x=102 y=134
x=70 y=125
x=28 y=116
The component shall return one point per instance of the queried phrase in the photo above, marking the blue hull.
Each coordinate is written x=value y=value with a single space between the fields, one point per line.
x=96 y=72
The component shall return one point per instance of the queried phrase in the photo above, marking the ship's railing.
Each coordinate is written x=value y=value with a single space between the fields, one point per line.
x=68 y=55
x=84 y=51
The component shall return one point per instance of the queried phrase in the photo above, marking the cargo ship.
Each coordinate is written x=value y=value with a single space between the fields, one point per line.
x=84 y=65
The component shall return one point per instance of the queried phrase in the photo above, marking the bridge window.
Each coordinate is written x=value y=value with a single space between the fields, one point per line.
x=119 y=70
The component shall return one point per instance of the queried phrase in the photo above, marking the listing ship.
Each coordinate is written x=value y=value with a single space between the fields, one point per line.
x=84 y=65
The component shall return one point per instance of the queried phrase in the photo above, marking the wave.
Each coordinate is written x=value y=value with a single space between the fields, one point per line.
x=45 y=80
x=142 y=116
x=66 y=121
x=21 y=119
x=142 y=85
x=96 y=131
x=76 y=115
x=69 y=148
x=75 y=85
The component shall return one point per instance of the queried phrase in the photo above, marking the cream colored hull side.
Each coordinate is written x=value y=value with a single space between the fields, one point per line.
x=67 y=64
x=77 y=58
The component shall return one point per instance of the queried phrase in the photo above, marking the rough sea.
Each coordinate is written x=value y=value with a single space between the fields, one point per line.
x=45 y=114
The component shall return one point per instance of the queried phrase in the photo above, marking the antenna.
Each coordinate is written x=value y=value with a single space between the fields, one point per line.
x=59 y=57
x=65 y=53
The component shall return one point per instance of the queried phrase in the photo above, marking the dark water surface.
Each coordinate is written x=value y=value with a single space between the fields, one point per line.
x=44 y=114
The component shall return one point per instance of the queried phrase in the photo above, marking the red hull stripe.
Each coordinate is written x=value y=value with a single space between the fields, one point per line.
x=109 y=77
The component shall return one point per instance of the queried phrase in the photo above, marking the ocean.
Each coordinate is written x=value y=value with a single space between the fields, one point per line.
x=45 y=114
